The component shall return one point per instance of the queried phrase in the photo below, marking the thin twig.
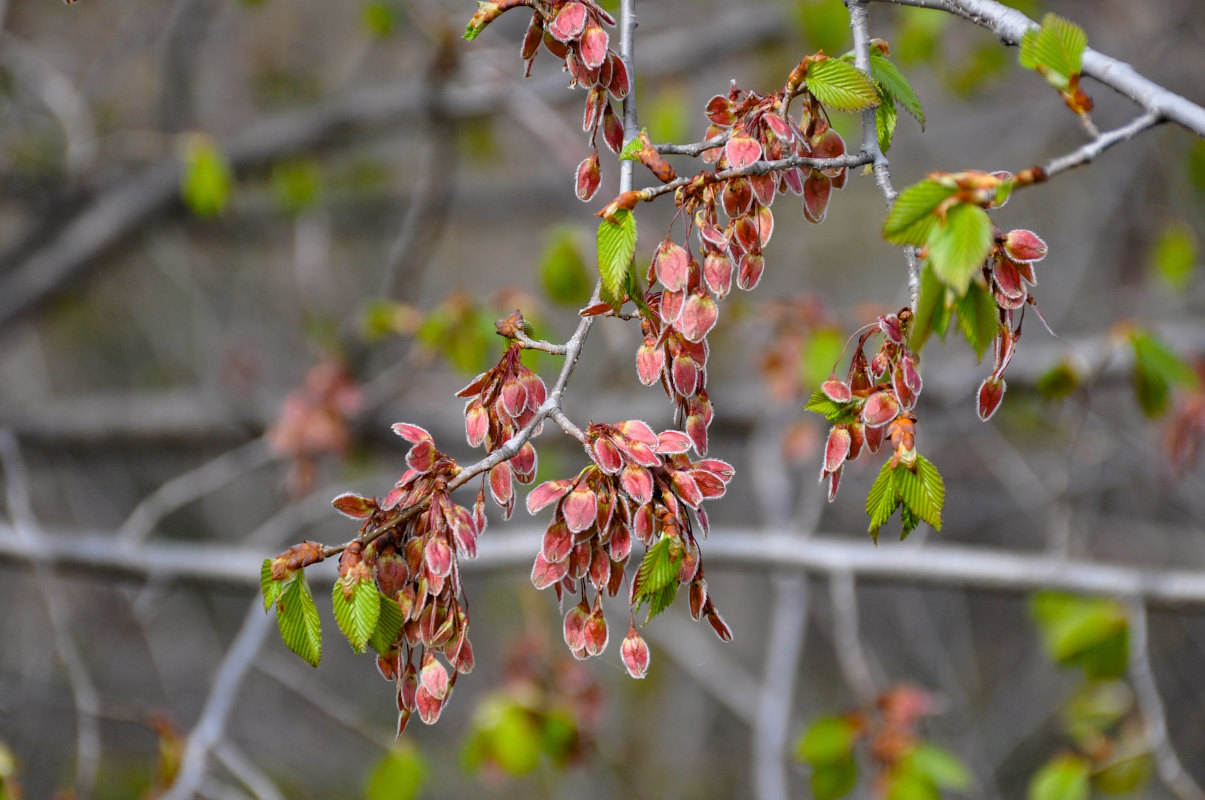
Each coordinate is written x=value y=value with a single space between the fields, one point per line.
x=694 y=149
x=860 y=26
x=210 y=725
x=192 y=485
x=1146 y=691
x=237 y=764
x=1088 y=152
x=83 y=693
x=847 y=641
x=757 y=168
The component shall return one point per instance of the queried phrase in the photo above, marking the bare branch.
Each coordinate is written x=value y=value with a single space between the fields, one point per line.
x=207 y=733
x=1088 y=152
x=28 y=533
x=847 y=641
x=1167 y=763
x=1009 y=25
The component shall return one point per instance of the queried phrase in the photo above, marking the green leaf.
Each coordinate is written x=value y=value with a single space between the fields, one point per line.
x=271 y=589
x=631 y=150
x=882 y=500
x=656 y=580
x=939 y=766
x=1174 y=254
x=828 y=740
x=932 y=309
x=978 y=318
x=885 y=117
x=836 y=413
x=1055 y=50
x=1062 y=778
x=923 y=492
x=911 y=217
x=836 y=780
x=1124 y=776
x=297 y=618
x=1059 y=381
x=563 y=271
x=1085 y=632
x=616 y=246
x=905 y=784
x=389 y=625
x=896 y=85
x=358 y=613
x=840 y=86
x=958 y=248
x=399 y=775
x=1156 y=368
x=506 y=735
x=1094 y=708
x=206 y=182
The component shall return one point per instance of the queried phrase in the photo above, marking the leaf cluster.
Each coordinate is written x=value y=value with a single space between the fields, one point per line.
x=917 y=489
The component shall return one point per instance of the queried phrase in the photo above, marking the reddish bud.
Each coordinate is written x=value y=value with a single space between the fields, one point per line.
x=717 y=272
x=569 y=23
x=671 y=306
x=764 y=187
x=699 y=315
x=880 y=408
x=421 y=457
x=438 y=557
x=620 y=84
x=412 y=433
x=547 y=493
x=476 y=423
x=428 y=706
x=650 y=361
x=991 y=393
x=742 y=150
x=545 y=573
x=524 y=464
x=575 y=626
x=837 y=391
x=635 y=654
x=817 y=190
x=1007 y=278
x=751 y=269
x=834 y=481
x=685 y=374
x=606 y=456
x=578 y=509
x=638 y=483
x=354 y=506
x=737 y=196
x=672 y=442
x=434 y=678
x=718 y=624
x=1023 y=245
x=836 y=449
x=719 y=111
x=638 y=431
x=671 y=264
x=620 y=544
x=501 y=486
x=595 y=632
x=612 y=129
x=593 y=45
x=589 y=177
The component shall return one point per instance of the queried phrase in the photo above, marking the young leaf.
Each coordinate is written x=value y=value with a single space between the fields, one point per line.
x=978 y=318
x=835 y=780
x=882 y=500
x=828 y=740
x=657 y=578
x=1064 y=777
x=1156 y=368
x=297 y=618
x=1055 y=50
x=616 y=246
x=836 y=413
x=958 y=248
x=885 y=117
x=939 y=766
x=911 y=218
x=357 y=615
x=206 y=181
x=922 y=492
x=896 y=85
x=840 y=86
x=1086 y=632
x=270 y=588
x=1174 y=255
x=389 y=625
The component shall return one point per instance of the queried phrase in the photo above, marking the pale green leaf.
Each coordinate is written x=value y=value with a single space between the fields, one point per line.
x=840 y=86
x=911 y=216
x=388 y=625
x=1086 y=632
x=833 y=781
x=631 y=150
x=206 y=181
x=656 y=580
x=912 y=490
x=903 y=784
x=896 y=85
x=616 y=246
x=399 y=775
x=356 y=615
x=271 y=589
x=1156 y=369
x=885 y=117
x=1055 y=50
x=828 y=740
x=297 y=618
x=882 y=500
x=1062 y=778
x=939 y=766
x=958 y=248
x=935 y=488
x=1174 y=255
x=978 y=318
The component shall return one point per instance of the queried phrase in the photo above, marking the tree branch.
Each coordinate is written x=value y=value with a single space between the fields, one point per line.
x=1009 y=26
